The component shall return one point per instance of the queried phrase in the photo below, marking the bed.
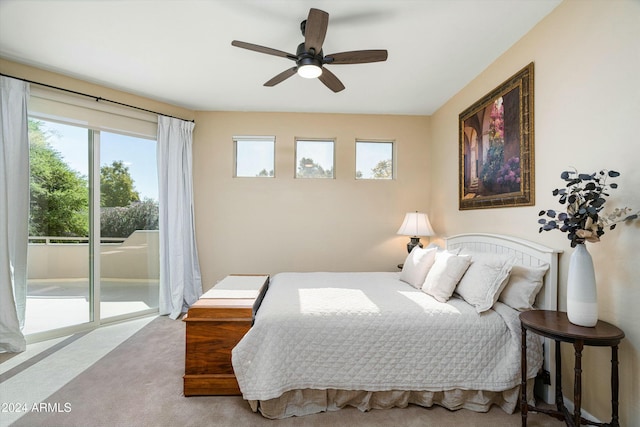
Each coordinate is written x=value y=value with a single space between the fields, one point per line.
x=322 y=341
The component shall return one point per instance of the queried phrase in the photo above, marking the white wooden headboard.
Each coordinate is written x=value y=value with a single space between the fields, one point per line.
x=529 y=254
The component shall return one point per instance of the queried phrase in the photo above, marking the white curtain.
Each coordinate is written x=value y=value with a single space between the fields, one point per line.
x=14 y=212
x=180 y=281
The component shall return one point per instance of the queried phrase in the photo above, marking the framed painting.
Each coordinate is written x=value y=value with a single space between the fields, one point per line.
x=496 y=157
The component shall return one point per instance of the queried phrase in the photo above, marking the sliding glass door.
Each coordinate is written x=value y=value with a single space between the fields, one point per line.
x=93 y=227
x=58 y=286
x=129 y=252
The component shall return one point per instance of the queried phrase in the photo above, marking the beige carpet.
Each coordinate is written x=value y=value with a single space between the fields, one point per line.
x=139 y=383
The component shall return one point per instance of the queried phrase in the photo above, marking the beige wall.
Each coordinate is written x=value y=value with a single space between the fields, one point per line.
x=42 y=76
x=261 y=225
x=587 y=107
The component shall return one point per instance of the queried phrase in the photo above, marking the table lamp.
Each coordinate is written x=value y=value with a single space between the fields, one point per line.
x=415 y=224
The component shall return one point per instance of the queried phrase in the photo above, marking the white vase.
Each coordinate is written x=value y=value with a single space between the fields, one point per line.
x=582 y=295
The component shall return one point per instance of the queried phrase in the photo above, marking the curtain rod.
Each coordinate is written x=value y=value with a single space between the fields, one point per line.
x=97 y=98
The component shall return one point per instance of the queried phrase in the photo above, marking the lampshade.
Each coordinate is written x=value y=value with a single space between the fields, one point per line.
x=416 y=224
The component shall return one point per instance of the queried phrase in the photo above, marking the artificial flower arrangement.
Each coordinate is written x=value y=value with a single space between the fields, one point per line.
x=585 y=196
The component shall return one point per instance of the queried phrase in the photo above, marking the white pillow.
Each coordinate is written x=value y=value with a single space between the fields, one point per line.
x=485 y=279
x=445 y=274
x=416 y=266
x=523 y=286
x=435 y=245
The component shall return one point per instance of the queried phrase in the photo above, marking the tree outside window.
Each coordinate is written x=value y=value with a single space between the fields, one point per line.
x=314 y=159
x=255 y=156
x=59 y=195
x=374 y=160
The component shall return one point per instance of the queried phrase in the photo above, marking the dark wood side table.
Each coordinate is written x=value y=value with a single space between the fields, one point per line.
x=556 y=325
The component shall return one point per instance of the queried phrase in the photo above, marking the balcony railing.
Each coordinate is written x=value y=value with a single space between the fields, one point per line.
x=59 y=285
x=52 y=240
x=133 y=257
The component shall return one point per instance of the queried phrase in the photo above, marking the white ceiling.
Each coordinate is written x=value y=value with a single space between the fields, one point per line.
x=180 y=51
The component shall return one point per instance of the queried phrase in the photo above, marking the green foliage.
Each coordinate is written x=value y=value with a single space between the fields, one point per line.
x=383 y=170
x=116 y=185
x=36 y=135
x=307 y=168
x=264 y=173
x=59 y=195
x=491 y=166
x=121 y=221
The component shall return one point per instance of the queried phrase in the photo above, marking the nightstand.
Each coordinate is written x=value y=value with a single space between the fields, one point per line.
x=556 y=325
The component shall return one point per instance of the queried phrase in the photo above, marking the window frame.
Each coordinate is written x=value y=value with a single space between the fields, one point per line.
x=254 y=138
x=393 y=158
x=331 y=141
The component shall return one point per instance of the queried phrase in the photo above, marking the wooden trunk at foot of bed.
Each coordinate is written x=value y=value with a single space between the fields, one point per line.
x=208 y=369
x=213 y=327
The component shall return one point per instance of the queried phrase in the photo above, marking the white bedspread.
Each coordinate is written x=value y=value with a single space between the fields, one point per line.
x=370 y=331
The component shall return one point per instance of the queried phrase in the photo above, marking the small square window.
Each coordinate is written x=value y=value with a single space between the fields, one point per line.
x=254 y=156
x=314 y=159
x=374 y=160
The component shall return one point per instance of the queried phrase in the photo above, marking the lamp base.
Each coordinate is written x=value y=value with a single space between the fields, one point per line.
x=415 y=241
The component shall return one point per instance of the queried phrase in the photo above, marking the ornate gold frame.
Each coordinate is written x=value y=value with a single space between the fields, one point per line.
x=496 y=156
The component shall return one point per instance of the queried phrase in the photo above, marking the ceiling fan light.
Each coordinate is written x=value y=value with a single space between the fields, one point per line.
x=309 y=71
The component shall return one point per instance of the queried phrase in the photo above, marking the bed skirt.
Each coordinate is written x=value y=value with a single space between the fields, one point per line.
x=310 y=401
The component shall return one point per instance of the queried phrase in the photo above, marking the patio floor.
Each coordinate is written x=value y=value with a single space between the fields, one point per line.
x=56 y=303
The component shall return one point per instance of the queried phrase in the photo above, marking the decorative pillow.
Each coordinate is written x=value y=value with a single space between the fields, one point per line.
x=417 y=265
x=523 y=286
x=434 y=245
x=485 y=279
x=445 y=274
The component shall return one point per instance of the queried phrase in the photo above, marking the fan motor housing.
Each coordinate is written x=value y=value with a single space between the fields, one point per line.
x=307 y=57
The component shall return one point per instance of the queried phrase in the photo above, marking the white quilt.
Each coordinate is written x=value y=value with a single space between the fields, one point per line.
x=370 y=331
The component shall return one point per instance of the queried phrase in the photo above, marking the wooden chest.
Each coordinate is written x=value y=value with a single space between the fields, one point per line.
x=214 y=325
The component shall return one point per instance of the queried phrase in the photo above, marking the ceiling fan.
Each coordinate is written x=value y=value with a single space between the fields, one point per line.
x=309 y=57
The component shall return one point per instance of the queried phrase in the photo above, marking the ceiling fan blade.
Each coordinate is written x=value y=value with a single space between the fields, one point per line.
x=262 y=49
x=315 y=29
x=356 y=57
x=330 y=80
x=282 y=76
